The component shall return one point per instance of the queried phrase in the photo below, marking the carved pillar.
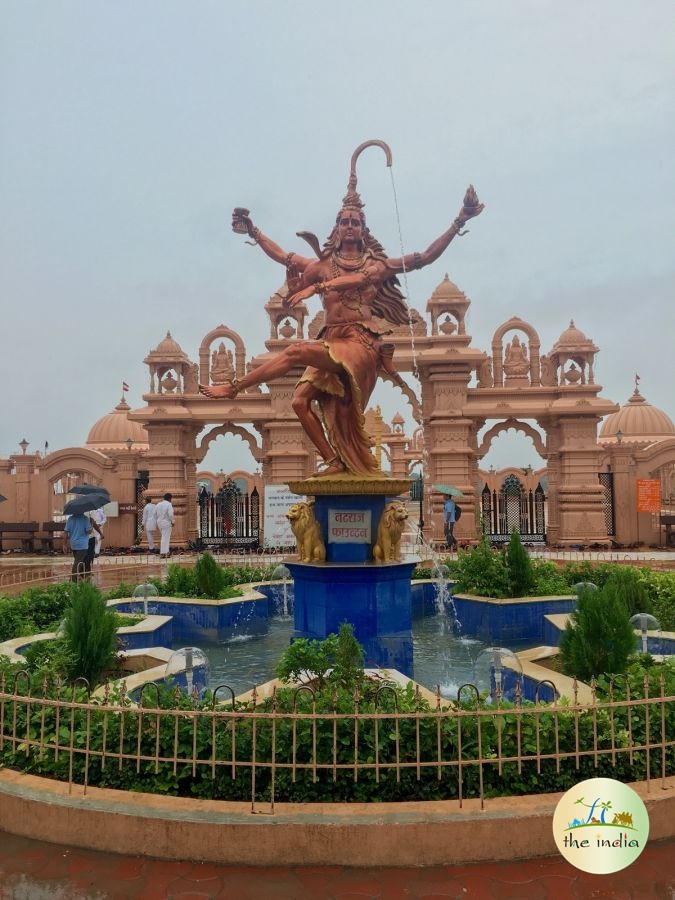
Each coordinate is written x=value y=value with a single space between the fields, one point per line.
x=625 y=488
x=581 y=509
x=127 y=469
x=165 y=461
x=451 y=459
x=398 y=463
x=24 y=467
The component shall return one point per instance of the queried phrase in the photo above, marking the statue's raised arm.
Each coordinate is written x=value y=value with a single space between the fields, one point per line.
x=243 y=224
x=471 y=207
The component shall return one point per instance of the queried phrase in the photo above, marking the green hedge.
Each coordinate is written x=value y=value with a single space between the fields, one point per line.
x=565 y=730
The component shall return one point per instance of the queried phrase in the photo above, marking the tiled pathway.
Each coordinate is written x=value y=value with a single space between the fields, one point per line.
x=30 y=870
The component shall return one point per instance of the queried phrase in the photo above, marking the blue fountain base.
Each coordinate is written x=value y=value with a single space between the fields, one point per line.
x=376 y=599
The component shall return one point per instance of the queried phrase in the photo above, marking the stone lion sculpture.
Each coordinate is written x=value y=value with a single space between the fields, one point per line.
x=388 y=544
x=310 y=545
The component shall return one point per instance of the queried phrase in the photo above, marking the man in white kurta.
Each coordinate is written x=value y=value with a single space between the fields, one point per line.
x=165 y=519
x=150 y=522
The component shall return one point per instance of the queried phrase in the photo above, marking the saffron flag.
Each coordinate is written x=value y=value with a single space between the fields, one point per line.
x=125 y=386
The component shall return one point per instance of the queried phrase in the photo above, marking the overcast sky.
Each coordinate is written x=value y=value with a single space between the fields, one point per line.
x=129 y=131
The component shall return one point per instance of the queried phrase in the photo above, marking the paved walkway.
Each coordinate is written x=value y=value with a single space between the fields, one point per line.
x=31 y=870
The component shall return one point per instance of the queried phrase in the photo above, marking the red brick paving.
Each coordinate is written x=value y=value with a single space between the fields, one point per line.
x=30 y=870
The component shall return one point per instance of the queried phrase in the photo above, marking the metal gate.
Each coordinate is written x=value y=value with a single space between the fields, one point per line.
x=607 y=482
x=142 y=482
x=513 y=506
x=229 y=518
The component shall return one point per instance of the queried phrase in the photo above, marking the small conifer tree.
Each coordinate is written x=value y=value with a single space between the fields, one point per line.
x=598 y=638
x=627 y=584
x=519 y=564
x=90 y=633
x=209 y=576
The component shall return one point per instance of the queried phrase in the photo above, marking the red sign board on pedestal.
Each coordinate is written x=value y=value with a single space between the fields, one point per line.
x=648 y=495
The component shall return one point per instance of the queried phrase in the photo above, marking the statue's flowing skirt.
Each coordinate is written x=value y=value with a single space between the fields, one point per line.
x=344 y=396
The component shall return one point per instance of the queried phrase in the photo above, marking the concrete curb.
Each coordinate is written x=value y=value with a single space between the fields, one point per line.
x=354 y=834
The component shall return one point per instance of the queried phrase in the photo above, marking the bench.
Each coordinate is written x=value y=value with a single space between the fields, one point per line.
x=49 y=532
x=19 y=531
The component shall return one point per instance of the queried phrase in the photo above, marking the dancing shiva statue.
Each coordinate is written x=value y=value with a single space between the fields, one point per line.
x=360 y=293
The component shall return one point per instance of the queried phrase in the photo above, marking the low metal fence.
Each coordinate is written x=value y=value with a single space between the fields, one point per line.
x=261 y=749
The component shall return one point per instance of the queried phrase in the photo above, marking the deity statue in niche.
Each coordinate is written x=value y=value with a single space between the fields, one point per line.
x=485 y=379
x=191 y=381
x=222 y=365
x=358 y=288
x=516 y=363
x=548 y=374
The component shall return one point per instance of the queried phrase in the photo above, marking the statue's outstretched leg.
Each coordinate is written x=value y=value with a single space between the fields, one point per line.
x=305 y=393
x=227 y=391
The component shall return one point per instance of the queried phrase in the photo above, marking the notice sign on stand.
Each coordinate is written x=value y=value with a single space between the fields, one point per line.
x=648 y=495
x=278 y=500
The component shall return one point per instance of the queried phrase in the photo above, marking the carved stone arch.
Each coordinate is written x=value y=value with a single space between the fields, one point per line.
x=661 y=453
x=517 y=324
x=506 y=425
x=229 y=428
x=205 y=355
x=410 y=396
x=77 y=459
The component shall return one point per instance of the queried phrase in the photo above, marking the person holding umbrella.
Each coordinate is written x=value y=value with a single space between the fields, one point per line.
x=97 y=515
x=80 y=529
x=451 y=512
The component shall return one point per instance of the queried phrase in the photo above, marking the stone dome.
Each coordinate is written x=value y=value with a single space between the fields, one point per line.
x=572 y=336
x=167 y=351
x=112 y=431
x=446 y=290
x=168 y=346
x=572 y=341
x=638 y=422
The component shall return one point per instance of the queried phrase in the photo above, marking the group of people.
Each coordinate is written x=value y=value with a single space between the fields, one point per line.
x=85 y=534
x=159 y=517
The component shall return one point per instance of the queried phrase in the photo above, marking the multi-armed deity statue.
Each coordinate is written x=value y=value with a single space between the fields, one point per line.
x=358 y=287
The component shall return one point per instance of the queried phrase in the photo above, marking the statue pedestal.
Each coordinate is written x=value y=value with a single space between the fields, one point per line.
x=375 y=598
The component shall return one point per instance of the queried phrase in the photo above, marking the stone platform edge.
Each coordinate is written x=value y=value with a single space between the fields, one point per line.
x=354 y=834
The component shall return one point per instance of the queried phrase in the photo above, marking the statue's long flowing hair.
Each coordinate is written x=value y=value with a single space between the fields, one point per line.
x=389 y=302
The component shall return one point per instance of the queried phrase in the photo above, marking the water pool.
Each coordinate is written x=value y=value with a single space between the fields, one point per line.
x=249 y=659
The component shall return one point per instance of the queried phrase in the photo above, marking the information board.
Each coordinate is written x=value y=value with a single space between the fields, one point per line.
x=648 y=495
x=276 y=527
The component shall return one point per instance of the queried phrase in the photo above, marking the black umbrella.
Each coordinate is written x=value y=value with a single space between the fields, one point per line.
x=85 y=503
x=90 y=489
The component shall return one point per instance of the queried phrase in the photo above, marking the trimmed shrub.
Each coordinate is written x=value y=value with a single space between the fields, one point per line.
x=482 y=571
